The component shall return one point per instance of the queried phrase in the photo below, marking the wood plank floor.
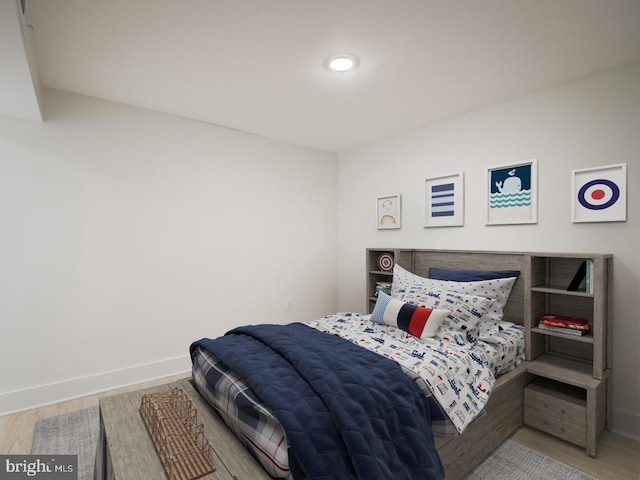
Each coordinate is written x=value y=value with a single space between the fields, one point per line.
x=618 y=457
x=16 y=429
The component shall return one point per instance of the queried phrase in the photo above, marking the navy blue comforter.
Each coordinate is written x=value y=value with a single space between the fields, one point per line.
x=347 y=412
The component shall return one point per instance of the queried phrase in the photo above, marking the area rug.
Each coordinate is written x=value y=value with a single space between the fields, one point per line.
x=77 y=433
x=73 y=433
x=512 y=461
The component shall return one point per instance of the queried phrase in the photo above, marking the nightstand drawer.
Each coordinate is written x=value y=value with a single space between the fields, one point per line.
x=557 y=409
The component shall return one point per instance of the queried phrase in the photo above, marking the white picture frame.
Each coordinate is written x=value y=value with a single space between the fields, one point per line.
x=388 y=212
x=512 y=193
x=599 y=194
x=444 y=200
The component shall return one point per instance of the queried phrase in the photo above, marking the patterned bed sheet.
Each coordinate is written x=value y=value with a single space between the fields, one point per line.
x=456 y=379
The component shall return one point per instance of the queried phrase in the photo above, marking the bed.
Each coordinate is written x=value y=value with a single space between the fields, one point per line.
x=457 y=344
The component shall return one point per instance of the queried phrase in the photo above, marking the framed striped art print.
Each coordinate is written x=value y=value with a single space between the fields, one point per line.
x=444 y=201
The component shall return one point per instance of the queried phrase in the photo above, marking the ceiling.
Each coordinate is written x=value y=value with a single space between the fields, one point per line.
x=256 y=65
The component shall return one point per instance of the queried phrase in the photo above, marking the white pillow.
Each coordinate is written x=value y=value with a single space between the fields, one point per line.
x=402 y=276
x=498 y=290
x=465 y=311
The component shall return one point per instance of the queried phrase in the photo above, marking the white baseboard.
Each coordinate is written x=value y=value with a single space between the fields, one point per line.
x=40 y=395
x=625 y=423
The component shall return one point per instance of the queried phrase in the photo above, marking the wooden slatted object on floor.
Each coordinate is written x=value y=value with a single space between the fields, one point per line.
x=177 y=433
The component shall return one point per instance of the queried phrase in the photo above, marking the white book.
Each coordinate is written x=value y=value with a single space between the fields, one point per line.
x=565 y=331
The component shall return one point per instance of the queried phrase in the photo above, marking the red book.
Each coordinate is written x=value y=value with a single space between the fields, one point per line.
x=564 y=321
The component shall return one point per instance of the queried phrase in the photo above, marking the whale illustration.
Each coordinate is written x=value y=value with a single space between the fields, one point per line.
x=511 y=184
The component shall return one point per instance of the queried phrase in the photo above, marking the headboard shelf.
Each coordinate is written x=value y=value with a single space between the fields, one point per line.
x=565 y=284
x=419 y=261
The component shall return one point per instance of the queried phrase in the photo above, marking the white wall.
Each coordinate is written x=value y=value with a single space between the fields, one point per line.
x=589 y=123
x=127 y=234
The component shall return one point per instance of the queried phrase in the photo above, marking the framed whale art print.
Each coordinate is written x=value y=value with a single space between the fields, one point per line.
x=512 y=193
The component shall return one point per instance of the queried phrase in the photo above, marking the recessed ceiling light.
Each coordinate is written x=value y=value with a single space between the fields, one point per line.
x=341 y=63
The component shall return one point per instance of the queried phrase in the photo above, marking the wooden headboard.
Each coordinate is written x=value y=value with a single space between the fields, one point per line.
x=420 y=261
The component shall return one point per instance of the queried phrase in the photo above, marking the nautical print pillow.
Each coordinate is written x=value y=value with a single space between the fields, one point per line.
x=497 y=289
x=422 y=322
x=465 y=311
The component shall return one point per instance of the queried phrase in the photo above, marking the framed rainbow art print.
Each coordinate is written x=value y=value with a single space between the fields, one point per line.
x=388 y=212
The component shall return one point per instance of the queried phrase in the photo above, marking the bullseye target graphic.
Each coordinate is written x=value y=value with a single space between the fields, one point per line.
x=385 y=262
x=598 y=194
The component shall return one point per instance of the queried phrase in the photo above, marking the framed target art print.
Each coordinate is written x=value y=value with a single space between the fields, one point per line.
x=599 y=194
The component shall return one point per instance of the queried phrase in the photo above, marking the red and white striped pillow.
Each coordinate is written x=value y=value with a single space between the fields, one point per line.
x=422 y=322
